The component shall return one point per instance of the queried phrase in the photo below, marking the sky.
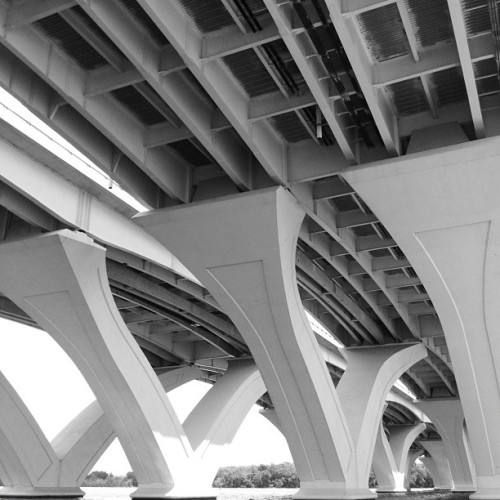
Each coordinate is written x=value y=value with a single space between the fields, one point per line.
x=54 y=391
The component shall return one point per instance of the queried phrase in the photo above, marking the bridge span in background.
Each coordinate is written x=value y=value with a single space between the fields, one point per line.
x=331 y=157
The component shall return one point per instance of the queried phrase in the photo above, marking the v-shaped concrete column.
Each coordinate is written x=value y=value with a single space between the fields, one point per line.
x=448 y=417
x=391 y=462
x=383 y=463
x=442 y=208
x=362 y=390
x=213 y=423
x=31 y=466
x=243 y=249
x=438 y=464
x=60 y=280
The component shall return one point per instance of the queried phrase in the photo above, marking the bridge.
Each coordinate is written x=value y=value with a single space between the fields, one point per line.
x=318 y=182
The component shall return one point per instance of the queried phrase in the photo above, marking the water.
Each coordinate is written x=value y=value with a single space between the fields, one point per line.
x=272 y=494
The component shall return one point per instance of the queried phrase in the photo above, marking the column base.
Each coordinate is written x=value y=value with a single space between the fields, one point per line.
x=69 y=493
x=176 y=493
x=340 y=493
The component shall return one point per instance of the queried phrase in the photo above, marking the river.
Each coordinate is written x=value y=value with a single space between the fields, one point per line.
x=271 y=494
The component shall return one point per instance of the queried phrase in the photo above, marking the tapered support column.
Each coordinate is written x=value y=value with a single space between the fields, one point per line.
x=410 y=460
x=442 y=208
x=213 y=423
x=362 y=390
x=383 y=463
x=60 y=280
x=448 y=417
x=392 y=456
x=243 y=249
x=31 y=466
x=438 y=464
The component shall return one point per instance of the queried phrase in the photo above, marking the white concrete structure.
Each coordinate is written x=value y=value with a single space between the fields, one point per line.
x=452 y=243
x=393 y=460
x=255 y=283
x=75 y=308
x=438 y=464
x=357 y=141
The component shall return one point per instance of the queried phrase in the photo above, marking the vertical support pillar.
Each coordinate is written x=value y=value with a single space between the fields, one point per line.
x=442 y=208
x=60 y=280
x=242 y=248
x=448 y=417
x=438 y=464
x=383 y=463
x=410 y=460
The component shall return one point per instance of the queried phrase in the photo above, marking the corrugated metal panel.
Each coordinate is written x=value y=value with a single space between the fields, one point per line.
x=477 y=17
x=251 y=73
x=430 y=21
x=290 y=127
x=486 y=74
x=449 y=85
x=489 y=85
x=140 y=107
x=89 y=22
x=383 y=32
x=145 y=21
x=208 y=15
x=408 y=96
x=58 y=31
x=485 y=67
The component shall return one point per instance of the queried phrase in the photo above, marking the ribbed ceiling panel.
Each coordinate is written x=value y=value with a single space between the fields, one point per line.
x=430 y=21
x=133 y=100
x=383 y=32
x=449 y=85
x=408 y=96
x=208 y=15
x=477 y=17
x=251 y=73
x=59 y=32
x=290 y=127
x=138 y=13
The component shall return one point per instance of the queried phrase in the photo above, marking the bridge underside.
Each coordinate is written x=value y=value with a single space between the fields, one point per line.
x=330 y=156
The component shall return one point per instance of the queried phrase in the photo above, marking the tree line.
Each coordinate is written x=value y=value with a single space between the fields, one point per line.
x=254 y=476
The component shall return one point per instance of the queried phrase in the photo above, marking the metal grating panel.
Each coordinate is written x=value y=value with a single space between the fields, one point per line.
x=138 y=13
x=430 y=21
x=208 y=15
x=449 y=85
x=133 y=100
x=290 y=127
x=408 y=96
x=383 y=32
x=251 y=73
x=477 y=17
x=58 y=31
